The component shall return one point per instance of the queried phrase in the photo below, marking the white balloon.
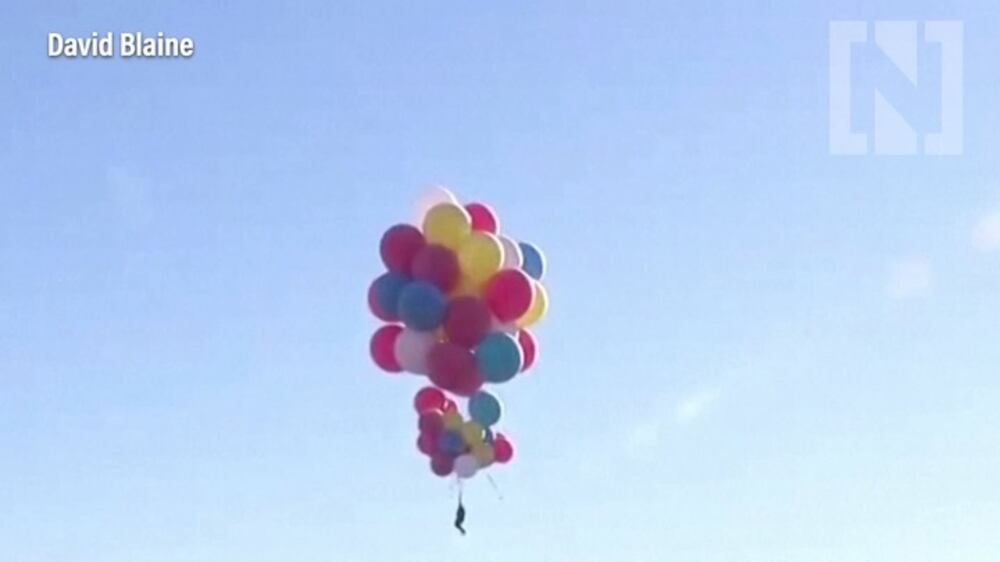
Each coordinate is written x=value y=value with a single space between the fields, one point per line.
x=412 y=348
x=512 y=257
x=433 y=195
x=497 y=326
x=466 y=466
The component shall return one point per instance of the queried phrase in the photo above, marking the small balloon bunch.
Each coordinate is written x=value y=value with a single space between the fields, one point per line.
x=458 y=298
x=455 y=444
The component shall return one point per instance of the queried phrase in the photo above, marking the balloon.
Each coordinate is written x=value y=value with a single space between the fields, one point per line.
x=412 y=348
x=381 y=347
x=449 y=406
x=483 y=218
x=468 y=384
x=387 y=289
x=498 y=357
x=508 y=294
x=472 y=433
x=429 y=398
x=376 y=308
x=422 y=306
x=534 y=261
x=484 y=408
x=453 y=420
x=467 y=288
x=427 y=444
x=503 y=450
x=488 y=437
x=529 y=348
x=498 y=326
x=466 y=466
x=432 y=196
x=539 y=305
x=451 y=442
x=431 y=421
x=450 y=364
x=480 y=256
x=442 y=464
x=483 y=453
x=399 y=244
x=438 y=265
x=447 y=224
x=512 y=258
x=467 y=321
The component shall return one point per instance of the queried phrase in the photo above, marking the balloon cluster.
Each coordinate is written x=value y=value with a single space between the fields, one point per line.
x=458 y=298
x=454 y=443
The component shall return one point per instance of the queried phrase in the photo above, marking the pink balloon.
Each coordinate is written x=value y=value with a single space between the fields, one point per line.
x=427 y=444
x=431 y=421
x=438 y=265
x=467 y=321
x=503 y=450
x=529 y=348
x=468 y=385
x=429 y=398
x=399 y=246
x=382 y=345
x=442 y=465
x=483 y=218
x=449 y=406
x=450 y=364
x=508 y=294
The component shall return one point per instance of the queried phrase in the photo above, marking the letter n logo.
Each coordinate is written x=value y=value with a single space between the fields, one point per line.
x=898 y=42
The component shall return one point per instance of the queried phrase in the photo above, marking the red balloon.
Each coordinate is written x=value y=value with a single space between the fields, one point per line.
x=431 y=422
x=438 y=265
x=529 y=347
x=508 y=294
x=399 y=246
x=374 y=306
x=427 y=444
x=442 y=465
x=449 y=364
x=483 y=218
x=468 y=385
x=449 y=406
x=429 y=398
x=467 y=321
x=382 y=347
x=503 y=451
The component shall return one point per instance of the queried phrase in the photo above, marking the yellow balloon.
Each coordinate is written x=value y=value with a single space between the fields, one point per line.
x=467 y=288
x=472 y=432
x=539 y=305
x=453 y=420
x=483 y=453
x=480 y=256
x=447 y=224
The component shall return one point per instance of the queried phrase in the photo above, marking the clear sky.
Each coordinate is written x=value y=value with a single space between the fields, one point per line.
x=756 y=351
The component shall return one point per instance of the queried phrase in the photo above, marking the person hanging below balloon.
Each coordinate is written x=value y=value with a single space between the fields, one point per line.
x=460 y=515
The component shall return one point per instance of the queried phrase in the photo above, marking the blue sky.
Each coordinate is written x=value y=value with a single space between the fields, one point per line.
x=756 y=350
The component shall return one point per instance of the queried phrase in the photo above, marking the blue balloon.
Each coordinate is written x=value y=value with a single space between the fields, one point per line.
x=488 y=436
x=451 y=442
x=484 y=408
x=534 y=261
x=422 y=306
x=499 y=357
x=387 y=290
